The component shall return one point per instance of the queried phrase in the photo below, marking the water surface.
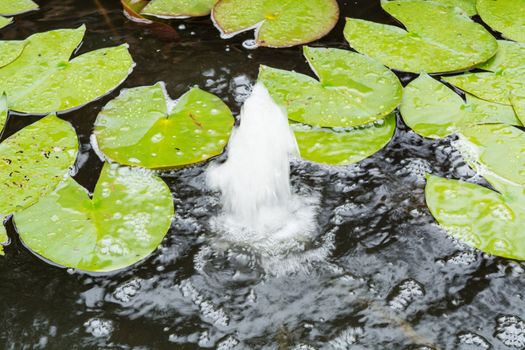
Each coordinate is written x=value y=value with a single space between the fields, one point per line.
x=380 y=275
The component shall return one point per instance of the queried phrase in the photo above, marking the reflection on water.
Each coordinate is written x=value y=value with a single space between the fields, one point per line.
x=389 y=277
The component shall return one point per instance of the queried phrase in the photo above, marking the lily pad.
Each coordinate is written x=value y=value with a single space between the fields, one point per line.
x=469 y=6
x=438 y=38
x=278 y=23
x=126 y=220
x=42 y=79
x=343 y=147
x=178 y=8
x=4 y=239
x=143 y=127
x=353 y=89
x=3 y=113
x=505 y=73
x=10 y=51
x=34 y=161
x=517 y=98
x=16 y=7
x=479 y=217
x=5 y=21
x=504 y=16
x=433 y=110
x=495 y=149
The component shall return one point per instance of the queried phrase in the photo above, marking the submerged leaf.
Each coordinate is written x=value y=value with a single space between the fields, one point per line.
x=343 y=147
x=133 y=9
x=353 y=89
x=504 y=16
x=505 y=73
x=143 y=127
x=438 y=38
x=278 y=23
x=33 y=162
x=15 y=7
x=433 y=110
x=42 y=79
x=126 y=220
x=478 y=216
x=179 y=8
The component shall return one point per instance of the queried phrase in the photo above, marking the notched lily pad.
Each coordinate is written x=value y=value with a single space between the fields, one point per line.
x=126 y=220
x=505 y=73
x=433 y=110
x=478 y=216
x=143 y=127
x=353 y=89
x=495 y=149
x=504 y=16
x=438 y=38
x=33 y=162
x=278 y=23
x=343 y=146
x=178 y=8
x=43 y=80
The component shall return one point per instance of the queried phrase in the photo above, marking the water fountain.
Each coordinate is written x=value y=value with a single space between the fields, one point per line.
x=259 y=206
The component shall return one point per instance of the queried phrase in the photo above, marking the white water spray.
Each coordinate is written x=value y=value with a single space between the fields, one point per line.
x=259 y=207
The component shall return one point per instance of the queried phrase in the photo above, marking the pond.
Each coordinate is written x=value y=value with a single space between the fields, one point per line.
x=380 y=274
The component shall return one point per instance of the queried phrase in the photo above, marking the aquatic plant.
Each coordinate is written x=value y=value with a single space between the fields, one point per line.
x=438 y=38
x=37 y=76
x=14 y=7
x=346 y=115
x=144 y=127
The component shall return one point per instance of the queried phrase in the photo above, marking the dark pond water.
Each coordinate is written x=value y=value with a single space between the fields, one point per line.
x=381 y=274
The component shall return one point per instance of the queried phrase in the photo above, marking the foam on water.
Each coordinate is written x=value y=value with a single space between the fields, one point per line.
x=259 y=206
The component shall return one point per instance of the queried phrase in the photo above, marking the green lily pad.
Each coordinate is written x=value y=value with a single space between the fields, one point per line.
x=478 y=216
x=4 y=239
x=143 y=127
x=343 y=147
x=10 y=51
x=4 y=22
x=15 y=7
x=517 y=98
x=438 y=38
x=469 y=6
x=505 y=73
x=3 y=113
x=495 y=149
x=34 y=161
x=353 y=89
x=179 y=8
x=43 y=80
x=433 y=110
x=278 y=23
x=126 y=220
x=504 y=16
